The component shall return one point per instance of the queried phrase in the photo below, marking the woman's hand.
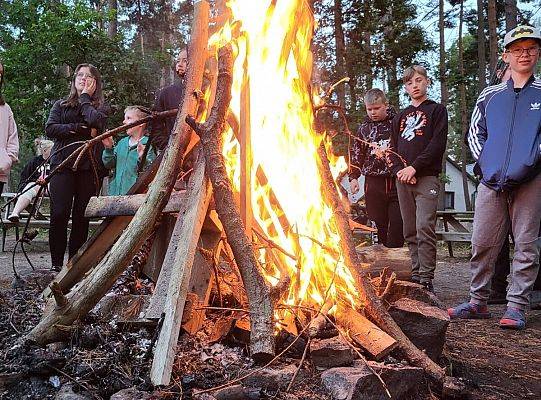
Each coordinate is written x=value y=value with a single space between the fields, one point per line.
x=108 y=142
x=90 y=86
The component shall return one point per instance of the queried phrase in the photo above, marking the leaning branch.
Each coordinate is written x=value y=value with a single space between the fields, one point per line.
x=211 y=134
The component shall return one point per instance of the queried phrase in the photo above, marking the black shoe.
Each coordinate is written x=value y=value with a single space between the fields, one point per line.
x=497 y=297
x=428 y=286
x=14 y=218
x=56 y=268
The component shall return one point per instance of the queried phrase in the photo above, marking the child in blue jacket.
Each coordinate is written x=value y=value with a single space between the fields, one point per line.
x=126 y=155
x=505 y=139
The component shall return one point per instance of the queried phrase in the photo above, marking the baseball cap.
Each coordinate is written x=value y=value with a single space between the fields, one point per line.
x=521 y=32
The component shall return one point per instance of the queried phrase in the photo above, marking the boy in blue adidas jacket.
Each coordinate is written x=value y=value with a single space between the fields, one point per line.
x=505 y=139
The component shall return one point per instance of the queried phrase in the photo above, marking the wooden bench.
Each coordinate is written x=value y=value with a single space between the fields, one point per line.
x=42 y=219
x=455 y=220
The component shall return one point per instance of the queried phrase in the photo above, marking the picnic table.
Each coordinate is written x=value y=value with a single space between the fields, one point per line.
x=457 y=220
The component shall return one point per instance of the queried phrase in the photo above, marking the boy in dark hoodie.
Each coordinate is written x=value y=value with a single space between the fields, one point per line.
x=368 y=157
x=419 y=137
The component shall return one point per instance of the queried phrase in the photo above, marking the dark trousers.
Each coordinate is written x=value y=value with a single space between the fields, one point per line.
x=383 y=208
x=1 y=187
x=70 y=192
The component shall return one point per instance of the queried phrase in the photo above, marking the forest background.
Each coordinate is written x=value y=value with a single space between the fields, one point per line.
x=134 y=42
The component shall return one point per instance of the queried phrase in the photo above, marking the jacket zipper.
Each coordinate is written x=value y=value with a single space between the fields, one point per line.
x=510 y=143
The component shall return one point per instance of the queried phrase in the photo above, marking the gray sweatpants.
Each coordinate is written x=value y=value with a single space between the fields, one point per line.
x=418 y=205
x=493 y=212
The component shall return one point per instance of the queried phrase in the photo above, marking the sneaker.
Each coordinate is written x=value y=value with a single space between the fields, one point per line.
x=469 y=311
x=497 y=297
x=513 y=318
x=427 y=285
x=14 y=218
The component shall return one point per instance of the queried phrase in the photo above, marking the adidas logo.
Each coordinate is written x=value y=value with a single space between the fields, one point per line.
x=535 y=106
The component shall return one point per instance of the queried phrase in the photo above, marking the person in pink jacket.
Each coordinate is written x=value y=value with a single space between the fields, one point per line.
x=9 y=141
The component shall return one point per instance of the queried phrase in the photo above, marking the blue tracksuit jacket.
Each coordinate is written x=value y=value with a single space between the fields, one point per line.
x=505 y=134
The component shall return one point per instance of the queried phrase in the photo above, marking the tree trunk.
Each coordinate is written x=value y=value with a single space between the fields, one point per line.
x=481 y=45
x=493 y=34
x=112 y=28
x=444 y=94
x=463 y=109
x=211 y=133
x=511 y=12
x=96 y=284
x=340 y=51
x=373 y=305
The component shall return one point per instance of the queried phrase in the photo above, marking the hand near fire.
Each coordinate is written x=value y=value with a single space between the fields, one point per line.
x=407 y=175
x=354 y=186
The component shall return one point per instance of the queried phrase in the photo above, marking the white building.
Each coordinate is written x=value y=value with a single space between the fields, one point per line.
x=454 y=190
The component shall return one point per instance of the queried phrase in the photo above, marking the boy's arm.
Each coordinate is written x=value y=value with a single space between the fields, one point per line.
x=357 y=154
x=436 y=147
x=109 y=157
x=477 y=134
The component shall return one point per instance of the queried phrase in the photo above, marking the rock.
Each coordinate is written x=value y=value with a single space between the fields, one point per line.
x=424 y=325
x=359 y=383
x=329 y=353
x=131 y=394
x=235 y=392
x=66 y=392
x=274 y=379
x=453 y=388
x=414 y=291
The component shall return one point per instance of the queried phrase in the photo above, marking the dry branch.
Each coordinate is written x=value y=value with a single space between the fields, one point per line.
x=373 y=305
x=211 y=134
x=85 y=296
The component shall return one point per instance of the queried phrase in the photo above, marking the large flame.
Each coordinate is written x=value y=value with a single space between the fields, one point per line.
x=275 y=62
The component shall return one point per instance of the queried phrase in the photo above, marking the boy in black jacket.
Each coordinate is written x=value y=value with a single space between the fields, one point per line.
x=419 y=137
x=368 y=157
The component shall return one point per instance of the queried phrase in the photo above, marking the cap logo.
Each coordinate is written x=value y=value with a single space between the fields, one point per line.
x=522 y=31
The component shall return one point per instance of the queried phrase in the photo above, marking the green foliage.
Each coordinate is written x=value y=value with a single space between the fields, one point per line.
x=41 y=43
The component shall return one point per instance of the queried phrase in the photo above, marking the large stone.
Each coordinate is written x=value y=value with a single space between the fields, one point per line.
x=131 y=394
x=423 y=324
x=329 y=353
x=414 y=291
x=360 y=383
x=274 y=379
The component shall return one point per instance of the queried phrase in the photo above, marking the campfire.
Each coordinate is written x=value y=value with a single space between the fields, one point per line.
x=278 y=217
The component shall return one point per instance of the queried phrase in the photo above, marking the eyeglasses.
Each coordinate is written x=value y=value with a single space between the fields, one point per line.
x=82 y=75
x=517 y=52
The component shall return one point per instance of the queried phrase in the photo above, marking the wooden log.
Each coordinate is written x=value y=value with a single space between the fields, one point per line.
x=180 y=255
x=93 y=250
x=94 y=286
x=380 y=257
x=153 y=267
x=127 y=205
x=211 y=134
x=365 y=333
x=374 y=307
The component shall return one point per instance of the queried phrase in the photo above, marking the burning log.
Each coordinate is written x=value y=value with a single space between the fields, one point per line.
x=84 y=297
x=373 y=305
x=261 y=309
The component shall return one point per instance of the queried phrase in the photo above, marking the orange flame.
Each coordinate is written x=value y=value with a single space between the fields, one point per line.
x=274 y=61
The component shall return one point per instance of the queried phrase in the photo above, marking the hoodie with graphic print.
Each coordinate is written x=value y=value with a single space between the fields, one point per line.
x=420 y=137
x=370 y=159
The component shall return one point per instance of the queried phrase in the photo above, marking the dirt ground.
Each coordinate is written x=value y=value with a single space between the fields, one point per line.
x=495 y=364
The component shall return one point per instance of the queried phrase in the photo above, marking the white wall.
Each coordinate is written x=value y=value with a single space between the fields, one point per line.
x=456 y=186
